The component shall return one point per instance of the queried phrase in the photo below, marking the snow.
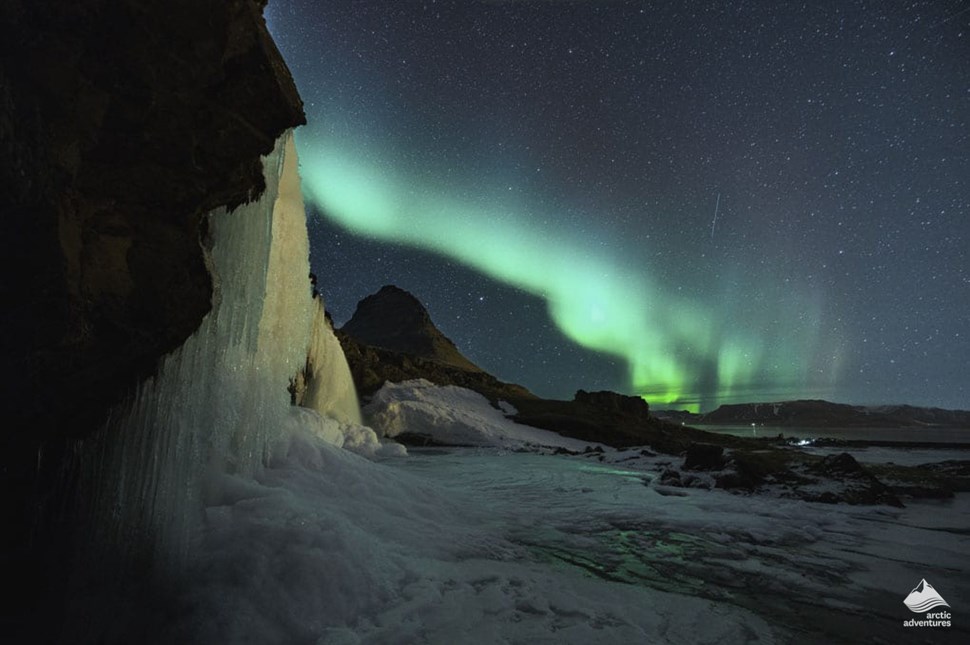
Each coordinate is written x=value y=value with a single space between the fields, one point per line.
x=483 y=545
x=327 y=547
x=454 y=415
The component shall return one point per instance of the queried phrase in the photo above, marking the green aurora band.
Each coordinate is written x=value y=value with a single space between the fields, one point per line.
x=598 y=298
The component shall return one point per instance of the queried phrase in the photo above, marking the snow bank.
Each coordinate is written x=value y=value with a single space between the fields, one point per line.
x=454 y=416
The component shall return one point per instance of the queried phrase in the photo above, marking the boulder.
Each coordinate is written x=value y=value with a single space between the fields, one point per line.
x=704 y=456
x=613 y=402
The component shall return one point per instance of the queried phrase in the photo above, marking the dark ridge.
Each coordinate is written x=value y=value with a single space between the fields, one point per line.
x=825 y=414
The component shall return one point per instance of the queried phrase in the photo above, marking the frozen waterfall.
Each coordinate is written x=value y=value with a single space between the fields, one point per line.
x=329 y=389
x=219 y=403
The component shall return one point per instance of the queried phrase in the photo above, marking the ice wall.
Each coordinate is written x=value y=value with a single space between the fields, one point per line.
x=330 y=388
x=218 y=402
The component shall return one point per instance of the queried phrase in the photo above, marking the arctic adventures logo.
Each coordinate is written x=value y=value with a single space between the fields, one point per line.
x=923 y=599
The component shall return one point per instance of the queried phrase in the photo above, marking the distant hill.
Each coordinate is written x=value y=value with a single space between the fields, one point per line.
x=825 y=414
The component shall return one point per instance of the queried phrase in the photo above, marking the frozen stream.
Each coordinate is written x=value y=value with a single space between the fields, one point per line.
x=835 y=572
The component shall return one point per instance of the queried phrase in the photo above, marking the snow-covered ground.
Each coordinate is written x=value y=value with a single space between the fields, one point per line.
x=481 y=545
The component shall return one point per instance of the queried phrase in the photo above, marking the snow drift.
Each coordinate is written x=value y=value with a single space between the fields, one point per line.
x=456 y=416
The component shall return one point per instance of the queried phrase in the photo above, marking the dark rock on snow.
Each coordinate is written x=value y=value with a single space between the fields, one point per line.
x=704 y=456
x=371 y=367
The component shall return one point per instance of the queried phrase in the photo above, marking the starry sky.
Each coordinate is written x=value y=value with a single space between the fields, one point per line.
x=696 y=202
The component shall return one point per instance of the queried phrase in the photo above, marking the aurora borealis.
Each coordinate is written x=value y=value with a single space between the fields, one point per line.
x=719 y=202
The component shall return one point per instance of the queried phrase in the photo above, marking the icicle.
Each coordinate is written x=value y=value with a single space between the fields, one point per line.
x=330 y=388
x=217 y=402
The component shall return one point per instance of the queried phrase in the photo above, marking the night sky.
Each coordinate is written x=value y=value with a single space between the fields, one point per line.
x=698 y=202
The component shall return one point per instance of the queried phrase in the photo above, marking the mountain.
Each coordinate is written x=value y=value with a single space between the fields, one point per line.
x=824 y=414
x=391 y=337
x=394 y=319
x=396 y=341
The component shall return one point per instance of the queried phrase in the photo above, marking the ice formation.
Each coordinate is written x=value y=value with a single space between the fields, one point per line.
x=219 y=403
x=330 y=388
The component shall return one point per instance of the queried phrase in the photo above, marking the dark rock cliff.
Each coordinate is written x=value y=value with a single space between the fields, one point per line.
x=121 y=124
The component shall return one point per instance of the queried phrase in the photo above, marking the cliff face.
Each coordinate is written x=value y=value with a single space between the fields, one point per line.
x=121 y=124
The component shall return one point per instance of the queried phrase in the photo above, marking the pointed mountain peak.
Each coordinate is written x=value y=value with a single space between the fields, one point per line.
x=395 y=319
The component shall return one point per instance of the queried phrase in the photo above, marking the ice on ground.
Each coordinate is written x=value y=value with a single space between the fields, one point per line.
x=351 y=436
x=487 y=546
x=327 y=547
x=454 y=416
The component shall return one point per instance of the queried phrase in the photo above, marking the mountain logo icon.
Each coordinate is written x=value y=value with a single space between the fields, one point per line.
x=924 y=598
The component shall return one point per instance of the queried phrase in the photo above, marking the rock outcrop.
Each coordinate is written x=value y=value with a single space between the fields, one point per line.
x=121 y=125
x=606 y=417
x=633 y=406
